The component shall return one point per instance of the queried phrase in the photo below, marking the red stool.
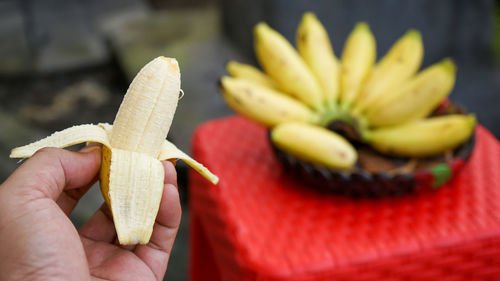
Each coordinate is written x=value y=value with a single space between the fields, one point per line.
x=260 y=224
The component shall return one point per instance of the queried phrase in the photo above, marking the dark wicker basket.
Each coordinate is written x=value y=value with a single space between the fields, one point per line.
x=360 y=182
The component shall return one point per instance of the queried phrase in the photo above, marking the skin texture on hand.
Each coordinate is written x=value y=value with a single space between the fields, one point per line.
x=39 y=242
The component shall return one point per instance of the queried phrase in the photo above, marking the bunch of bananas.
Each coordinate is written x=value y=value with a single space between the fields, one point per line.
x=303 y=90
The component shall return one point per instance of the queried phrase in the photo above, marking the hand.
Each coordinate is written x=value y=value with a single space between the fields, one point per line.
x=39 y=242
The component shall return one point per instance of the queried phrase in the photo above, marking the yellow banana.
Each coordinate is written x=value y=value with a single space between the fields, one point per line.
x=248 y=72
x=315 y=48
x=358 y=57
x=131 y=173
x=416 y=98
x=283 y=64
x=315 y=144
x=262 y=104
x=400 y=63
x=426 y=137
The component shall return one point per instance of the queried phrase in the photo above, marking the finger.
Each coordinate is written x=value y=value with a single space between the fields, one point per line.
x=156 y=253
x=52 y=170
x=69 y=198
x=170 y=172
x=100 y=226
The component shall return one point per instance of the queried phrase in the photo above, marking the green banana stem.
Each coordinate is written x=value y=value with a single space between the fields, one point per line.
x=330 y=116
x=353 y=127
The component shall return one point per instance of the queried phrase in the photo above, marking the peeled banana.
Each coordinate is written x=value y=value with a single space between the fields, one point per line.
x=131 y=174
x=417 y=98
x=315 y=48
x=248 y=72
x=284 y=65
x=315 y=144
x=264 y=105
x=426 y=137
x=400 y=63
x=358 y=57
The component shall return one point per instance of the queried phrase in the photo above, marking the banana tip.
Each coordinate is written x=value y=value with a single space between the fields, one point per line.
x=449 y=65
x=171 y=62
x=307 y=16
x=472 y=120
x=215 y=180
x=230 y=65
x=224 y=80
x=362 y=26
x=414 y=33
x=260 y=27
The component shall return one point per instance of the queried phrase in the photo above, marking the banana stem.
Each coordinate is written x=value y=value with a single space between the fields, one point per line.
x=330 y=116
x=357 y=126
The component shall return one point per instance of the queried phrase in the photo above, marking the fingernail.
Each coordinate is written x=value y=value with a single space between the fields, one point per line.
x=90 y=148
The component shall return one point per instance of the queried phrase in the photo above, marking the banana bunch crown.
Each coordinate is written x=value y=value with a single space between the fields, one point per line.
x=302 y=90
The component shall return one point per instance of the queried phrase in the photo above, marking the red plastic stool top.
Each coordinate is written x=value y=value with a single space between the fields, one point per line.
x=260 y=224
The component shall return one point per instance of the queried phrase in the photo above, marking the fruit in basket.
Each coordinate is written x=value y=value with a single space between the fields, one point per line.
x=314 y=144
x=315 y=48
x=416 y=99
x=251 y=73
x=400 y=63
x=283 y=64
x=131 y=175
x=358 y=57
x=388 y=104
x=264 y=105
x=424 y=137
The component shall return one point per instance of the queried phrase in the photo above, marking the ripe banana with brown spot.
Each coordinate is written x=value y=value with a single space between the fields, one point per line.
x=400 y=63
x=417 y=98
x=426 y=137
x=315 y=144
x=284 y=65
x=250 y=73
x=131 y=175
x=264 y=105
x=358 y=58
x=316 y=49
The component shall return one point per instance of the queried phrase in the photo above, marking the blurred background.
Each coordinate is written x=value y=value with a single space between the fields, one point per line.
x=69 y=62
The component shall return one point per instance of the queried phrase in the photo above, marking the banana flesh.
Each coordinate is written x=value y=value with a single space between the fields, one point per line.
x=315 y=48
x=148 y=107
x=284 y=65
x=400 y=63
x=264 y=105
x=131 y=175
x=426 y=137
x=133 y=193
x=314 y=144
x=415 y=99
x=358 y=58
x=248 y=72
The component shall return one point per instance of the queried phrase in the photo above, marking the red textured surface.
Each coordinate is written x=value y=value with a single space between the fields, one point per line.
x=263 y=225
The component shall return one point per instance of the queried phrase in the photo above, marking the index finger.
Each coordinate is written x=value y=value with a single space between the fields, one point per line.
x=52 y=170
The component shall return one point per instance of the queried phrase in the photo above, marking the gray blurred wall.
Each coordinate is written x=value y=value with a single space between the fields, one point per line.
x=458 y=28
